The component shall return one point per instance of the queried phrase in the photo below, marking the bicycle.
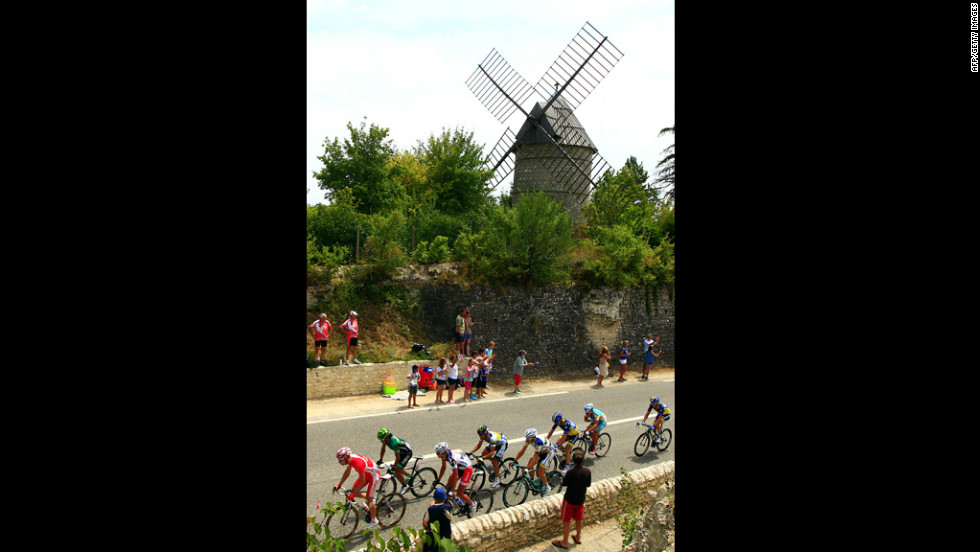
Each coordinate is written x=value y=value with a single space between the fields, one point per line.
x=483 y=471
x=481 y=497
x=516 y=491
x=583 y=441
x=343 y=523
x=420 y=481
x=649 y=437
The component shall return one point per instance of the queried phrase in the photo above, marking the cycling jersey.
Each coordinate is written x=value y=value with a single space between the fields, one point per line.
x=457 y=460
x=367 y=471
x=396 y=444
x=662 y=410
x=495 y=439
x=542 y=445
x=568 y=427
x=596 y=414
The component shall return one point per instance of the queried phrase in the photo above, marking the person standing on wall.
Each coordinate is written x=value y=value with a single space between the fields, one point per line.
x=351 y=326
x=320 y=331
x=519 y=365
x=576 y=481
x=467 y=331
x=460 y=330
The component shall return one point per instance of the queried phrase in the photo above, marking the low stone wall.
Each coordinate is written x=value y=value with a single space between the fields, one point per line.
x=505 y=529
x=326 y=382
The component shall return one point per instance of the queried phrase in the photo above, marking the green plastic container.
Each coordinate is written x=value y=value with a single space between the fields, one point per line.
x=388 y=388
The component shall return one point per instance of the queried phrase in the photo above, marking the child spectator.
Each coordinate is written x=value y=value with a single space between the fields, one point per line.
x=604 y=358
x=440 y=380
x=624 y=354
x=413 y=385
x=453 y=378
x=471 y=372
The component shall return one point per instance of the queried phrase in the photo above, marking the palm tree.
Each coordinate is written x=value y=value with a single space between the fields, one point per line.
x=665 y=168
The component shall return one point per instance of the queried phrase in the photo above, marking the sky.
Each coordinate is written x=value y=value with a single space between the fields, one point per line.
x=404 y=65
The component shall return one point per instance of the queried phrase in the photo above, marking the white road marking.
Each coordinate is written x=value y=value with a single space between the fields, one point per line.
x=440 y=406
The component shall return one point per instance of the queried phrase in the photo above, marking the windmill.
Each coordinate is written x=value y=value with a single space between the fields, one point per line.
x=551 y=152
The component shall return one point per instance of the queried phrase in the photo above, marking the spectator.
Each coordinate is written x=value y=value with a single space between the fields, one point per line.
x=481 y=380
x=440 y=379
x=441 y=513
x=467 y=331
x=460 y=329
x=604 y=358
x=413 y=385
x=453 y=378
x=649 y=355
x=471 y=371
x=624 y=354
x=490 y=355
x=320 y=331
x=351 y=326
x=519 y=370
x=575 y=481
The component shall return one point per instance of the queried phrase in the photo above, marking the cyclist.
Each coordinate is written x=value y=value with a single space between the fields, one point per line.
x=403 y=452
x=545 y=451
x=564 y=441
x=496 y=445
x=597 y=421
x=663 y=414
x=462 y=471
x=368 y=477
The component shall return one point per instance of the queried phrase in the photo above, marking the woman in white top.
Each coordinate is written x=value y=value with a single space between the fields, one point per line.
x=453 y=377
x=440 y=380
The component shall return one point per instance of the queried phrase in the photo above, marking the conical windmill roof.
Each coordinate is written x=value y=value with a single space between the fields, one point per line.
x=560 y=122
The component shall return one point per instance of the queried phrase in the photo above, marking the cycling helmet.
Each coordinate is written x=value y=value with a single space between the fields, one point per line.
x=531 y=433
x=382 y=433
x=588 y=407
x=343 y=454
x=441 y=447
x=556 y=417
x=481 y=430
x=654 y=400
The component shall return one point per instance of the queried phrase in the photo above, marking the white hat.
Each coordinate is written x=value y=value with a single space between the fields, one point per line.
x=353 y=313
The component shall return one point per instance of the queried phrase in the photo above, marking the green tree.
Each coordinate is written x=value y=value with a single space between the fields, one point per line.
x=530 y=243
x=361 y=165
x=620 y=199
x=455 y=171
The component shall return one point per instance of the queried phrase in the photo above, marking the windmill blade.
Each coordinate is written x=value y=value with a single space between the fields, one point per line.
x=566 y=169
x=501 y=158
x=499 y=87
x=587 y=59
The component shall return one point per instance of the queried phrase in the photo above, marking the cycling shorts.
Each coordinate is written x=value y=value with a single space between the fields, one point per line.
x=464 y=475
x=499 y=455
x=371 y=487
x=601 y=425
x=406 y=455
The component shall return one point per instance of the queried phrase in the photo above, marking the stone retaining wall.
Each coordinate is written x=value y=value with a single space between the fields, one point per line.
x=505 y=529
x=326 y=382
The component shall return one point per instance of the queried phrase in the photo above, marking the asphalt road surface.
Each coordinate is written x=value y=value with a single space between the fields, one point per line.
x=624 y=405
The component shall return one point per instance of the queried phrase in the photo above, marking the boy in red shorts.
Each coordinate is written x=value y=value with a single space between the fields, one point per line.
x=575 y=481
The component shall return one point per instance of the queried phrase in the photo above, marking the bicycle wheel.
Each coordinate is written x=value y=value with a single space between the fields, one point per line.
x=483 y=500
x=478 y=480
x=666 y=436
x=516 y=492
x=390 y=509
x=554 y=478
x=602 y=448
x=343 y=522
x=581 y=444
x=642 y=443
x=509 y=470
x=422 y=482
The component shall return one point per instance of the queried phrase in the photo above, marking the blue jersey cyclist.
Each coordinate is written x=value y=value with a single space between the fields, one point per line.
x=496 y=445
x=663 y=414
x=568 y=430
x=544 y=451
x=597 y=421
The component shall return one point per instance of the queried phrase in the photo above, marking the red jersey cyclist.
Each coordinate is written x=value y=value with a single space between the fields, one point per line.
x=462 y=472
x=368 y=477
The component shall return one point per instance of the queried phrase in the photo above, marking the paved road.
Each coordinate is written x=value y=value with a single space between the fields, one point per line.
x=623 y=403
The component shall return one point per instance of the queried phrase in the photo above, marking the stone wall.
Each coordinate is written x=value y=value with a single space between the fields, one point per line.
x=325 y=382
x=536 y=521
x=563 y=328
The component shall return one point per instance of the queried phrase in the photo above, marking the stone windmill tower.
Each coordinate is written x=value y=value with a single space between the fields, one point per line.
x=551 y=152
